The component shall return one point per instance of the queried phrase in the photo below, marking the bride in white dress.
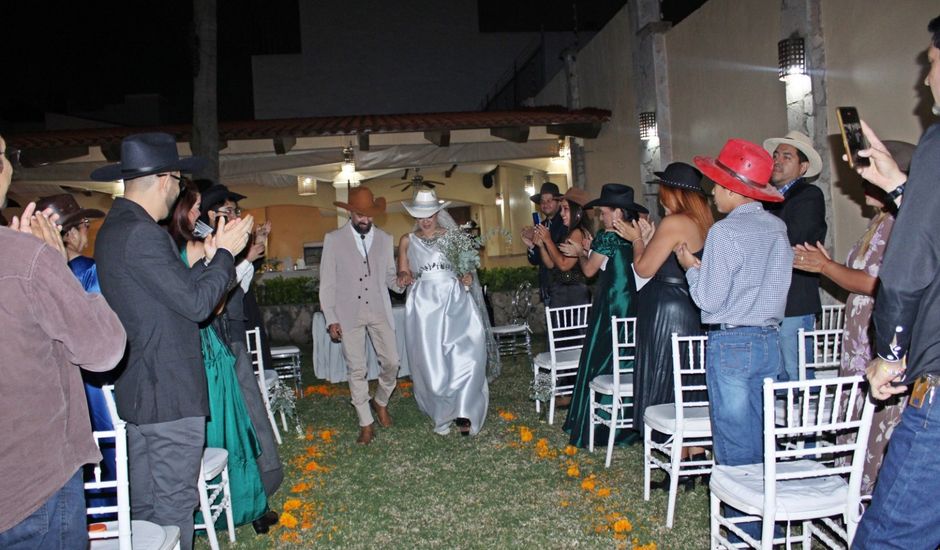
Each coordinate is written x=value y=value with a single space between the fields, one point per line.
x=444 y=329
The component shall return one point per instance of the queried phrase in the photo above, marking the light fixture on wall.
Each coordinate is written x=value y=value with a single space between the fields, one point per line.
x=349 y=160
x=529 y=184
x=647 y=123
x=564 y=151
x=306 y=185
x=499 y=199
x=348 y=173
x=791 y=58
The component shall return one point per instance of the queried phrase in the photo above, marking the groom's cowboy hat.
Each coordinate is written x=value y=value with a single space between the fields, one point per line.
x=616 y=195
x=362 y=202
x=70 y=213
x=146 y=154
x=547 y=187
x=742 y=167
x=805 y=145
x=425 y=204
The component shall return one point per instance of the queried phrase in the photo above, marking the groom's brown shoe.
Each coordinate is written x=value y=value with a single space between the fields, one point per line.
x=381 y=413
x=366 y=434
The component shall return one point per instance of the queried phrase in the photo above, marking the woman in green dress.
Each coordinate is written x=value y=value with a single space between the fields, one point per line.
x=614 y=295
x=228 y=426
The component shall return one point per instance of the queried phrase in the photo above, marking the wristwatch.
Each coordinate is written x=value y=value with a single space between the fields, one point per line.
x=896 y=192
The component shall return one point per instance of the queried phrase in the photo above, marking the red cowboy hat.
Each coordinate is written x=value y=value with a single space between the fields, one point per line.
x=361 y=202
x=742 y=167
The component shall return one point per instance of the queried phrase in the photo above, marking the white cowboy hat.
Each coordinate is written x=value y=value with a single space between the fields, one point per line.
x=425 y=204
x=802 y=142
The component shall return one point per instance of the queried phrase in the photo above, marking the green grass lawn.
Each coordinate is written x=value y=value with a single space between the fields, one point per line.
x=512 y=486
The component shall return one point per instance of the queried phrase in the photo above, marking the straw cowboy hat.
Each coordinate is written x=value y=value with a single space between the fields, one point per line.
x=362 y=202
x=70 y=213
x=802 y=142
x=742 y=167
x=425 y=204
x=146 y=154
x=616 y=195
x=547 y=187
x=681 y=176
x=577 y=195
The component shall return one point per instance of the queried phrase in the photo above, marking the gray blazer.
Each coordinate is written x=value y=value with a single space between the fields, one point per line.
x=160 y=302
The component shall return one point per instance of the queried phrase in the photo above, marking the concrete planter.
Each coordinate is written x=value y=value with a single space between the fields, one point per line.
x=289 y=323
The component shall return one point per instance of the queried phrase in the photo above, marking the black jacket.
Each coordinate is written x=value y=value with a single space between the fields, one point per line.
x=558 y=231
x=160 y=302
x=804 y=212
x=908 y=301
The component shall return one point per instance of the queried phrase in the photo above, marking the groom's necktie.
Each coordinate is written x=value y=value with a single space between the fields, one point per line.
x=366 y=251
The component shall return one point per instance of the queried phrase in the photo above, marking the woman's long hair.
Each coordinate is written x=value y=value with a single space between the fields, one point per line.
x=579 y=219
x=691 y=203
x=179 y=227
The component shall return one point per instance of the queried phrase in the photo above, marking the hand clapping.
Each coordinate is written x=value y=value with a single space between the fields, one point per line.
x=232 y=236
x=41 y=225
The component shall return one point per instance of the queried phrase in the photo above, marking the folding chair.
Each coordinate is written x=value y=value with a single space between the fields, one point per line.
x=266 y=378
x=686 y=421
x=123 y=534
x=788 y=486
x=825 y=346
x=566 y=328
x=618 y=385
x=215 y=497
x=286 y=363
x=832 y=317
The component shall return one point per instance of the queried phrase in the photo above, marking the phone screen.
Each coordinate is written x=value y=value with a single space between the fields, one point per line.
x=535 y=218
x=852 y=138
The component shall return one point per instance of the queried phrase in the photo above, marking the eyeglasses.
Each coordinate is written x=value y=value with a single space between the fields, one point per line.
x=13 y=155
x=229 y=211
x=85 y=223
x=179 y=180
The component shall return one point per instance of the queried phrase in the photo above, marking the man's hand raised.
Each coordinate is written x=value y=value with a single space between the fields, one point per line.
x=232 y=236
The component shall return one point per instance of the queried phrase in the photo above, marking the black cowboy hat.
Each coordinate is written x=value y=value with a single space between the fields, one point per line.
x=216 y=195
x=70 y=213
x=617 y=195
x=547 y=187
x=146 y=154
x=681 y=176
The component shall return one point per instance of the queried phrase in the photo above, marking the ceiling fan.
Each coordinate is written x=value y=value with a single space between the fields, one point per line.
x=417 y=182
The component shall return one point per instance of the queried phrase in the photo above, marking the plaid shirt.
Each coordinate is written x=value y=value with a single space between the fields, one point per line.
x=746 y=268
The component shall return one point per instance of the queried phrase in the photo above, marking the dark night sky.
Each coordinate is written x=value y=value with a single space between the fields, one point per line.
x=78 y=56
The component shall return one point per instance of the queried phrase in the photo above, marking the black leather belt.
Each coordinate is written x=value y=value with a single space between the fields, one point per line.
x=671 y=280
x=726 y=326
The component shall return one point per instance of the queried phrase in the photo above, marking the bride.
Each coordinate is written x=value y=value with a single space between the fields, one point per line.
x=444 y=330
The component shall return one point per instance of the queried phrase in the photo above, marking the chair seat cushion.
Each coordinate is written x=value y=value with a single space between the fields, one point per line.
x=214 y=461
x=284 y=351
x=144 y=536
x=563 y=359
x=509 y=329
x=605 y=384
x=743 y=488
x=662 y=418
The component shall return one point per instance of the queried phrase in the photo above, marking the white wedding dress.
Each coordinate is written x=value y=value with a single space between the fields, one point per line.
x=446 y=341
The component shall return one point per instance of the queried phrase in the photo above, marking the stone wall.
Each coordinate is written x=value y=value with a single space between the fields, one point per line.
x=289 y=323
x=502 y=310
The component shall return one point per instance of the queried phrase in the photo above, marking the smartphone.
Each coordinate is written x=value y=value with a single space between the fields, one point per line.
x=852 y=138
x=535 y=218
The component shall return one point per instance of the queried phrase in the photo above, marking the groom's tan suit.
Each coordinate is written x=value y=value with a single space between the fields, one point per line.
x=353 y=293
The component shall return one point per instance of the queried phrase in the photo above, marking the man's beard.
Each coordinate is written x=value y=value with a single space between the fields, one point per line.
x=362 y=228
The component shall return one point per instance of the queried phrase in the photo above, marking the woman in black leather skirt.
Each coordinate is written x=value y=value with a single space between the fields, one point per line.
x=567 y=282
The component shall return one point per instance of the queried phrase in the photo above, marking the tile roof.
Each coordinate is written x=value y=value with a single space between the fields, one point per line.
x=325 y=126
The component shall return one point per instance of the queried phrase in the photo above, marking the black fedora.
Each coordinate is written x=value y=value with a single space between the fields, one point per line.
x=681 y=176
x=617 y=195
x=547 y=187
x=146 y=154
x=215 y=195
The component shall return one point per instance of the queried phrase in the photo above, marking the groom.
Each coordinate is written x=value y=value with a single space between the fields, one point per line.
x=356 y=267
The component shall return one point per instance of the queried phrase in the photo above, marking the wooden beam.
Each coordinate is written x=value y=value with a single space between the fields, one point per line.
x=588 y=130
x=112 y=151
x=515 y=134
x=37 y=157
x=363 y=141
x=441 y=138
x=283 y=144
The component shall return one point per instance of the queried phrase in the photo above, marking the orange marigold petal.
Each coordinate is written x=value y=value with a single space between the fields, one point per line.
x=288 y=520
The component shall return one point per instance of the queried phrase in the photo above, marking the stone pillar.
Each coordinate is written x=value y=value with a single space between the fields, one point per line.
x=342 y=195
x=651 y=88
x=575 y=145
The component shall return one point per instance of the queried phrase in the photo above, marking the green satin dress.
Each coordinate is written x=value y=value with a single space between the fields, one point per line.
x=614 y=295
x=229 y=427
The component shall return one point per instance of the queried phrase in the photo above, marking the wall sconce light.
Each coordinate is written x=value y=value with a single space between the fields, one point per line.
x=529 y=184
x=349 y=160
x=499 y=199
x=306 y=185
x=564 y=152
x=647 y=123
x=791 y=58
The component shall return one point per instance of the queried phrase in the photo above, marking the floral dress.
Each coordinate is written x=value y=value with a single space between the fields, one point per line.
x=857 y=351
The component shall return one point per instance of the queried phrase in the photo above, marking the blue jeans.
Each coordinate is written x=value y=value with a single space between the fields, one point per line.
x=737 y=362
x=59 y=524
x=789 y=346
x=904 y=511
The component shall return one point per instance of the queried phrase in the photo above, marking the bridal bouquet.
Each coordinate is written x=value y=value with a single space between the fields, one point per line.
x=462 y=250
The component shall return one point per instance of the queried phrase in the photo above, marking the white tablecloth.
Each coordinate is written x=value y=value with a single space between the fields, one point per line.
x=328 y=362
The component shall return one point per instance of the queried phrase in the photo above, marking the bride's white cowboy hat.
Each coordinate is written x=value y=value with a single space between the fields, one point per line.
x=803 y=144
x=425 y=204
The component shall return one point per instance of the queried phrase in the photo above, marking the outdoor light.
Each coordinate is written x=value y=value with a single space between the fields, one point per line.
x=349 y=160
x=499 y=199
x=563 y=150
x=791 y=57
x=306 y=185
x=647 y=123
x=529 y=184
